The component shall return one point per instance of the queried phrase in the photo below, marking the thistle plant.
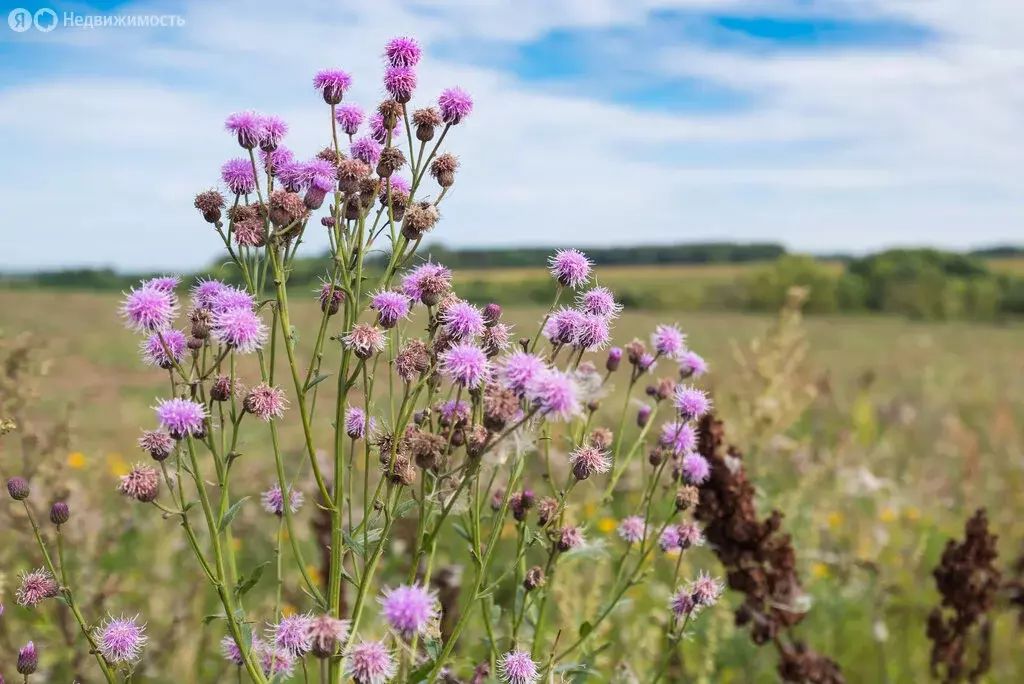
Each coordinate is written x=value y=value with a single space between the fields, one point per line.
x=441 y=415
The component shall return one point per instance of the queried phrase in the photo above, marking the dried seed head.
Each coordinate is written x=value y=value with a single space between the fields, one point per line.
x=391 y=160
x=426 y=121
x=209 y=204
x=350 y=172
x=390 y=111
x=443 y=170
x=328 y=154
x=413 y=360
x=419 y=219
x=601 y=438
x=158 y=444
x=221 y=388
x=286 y=207
x=476 y=441
x=546 y=510
x=201 y=320
x=635 y=351
x=534 y=578
x=687 y=497
x=427 y=448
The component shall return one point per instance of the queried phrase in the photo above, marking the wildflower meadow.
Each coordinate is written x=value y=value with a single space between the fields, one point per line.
x=380 y=481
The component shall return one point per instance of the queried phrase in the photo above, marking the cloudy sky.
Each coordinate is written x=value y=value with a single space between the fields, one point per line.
x=827 y=125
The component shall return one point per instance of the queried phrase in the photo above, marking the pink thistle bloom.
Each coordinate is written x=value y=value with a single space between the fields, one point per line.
x=239 y=328
x=689 y=536
x=141 y=483
x=319 y=174
x=247 y=126
x=369 y=662
x=365 y=340
x=157 y=444
x=366 y=150
x=453 y=411
x=28 y=659
x=155 y=352
x=229 y=649
x=696 y=468
x=276 y=662
x=399 y=186
x=355 y=423
x=265 y=402
x=455 y=105
x=400 y=81
x=462 y=321
x=427 y=283
x=679 y=437
x=592 y=333
x=204 y=292
x=350 y=117
x=631 y=529
x=379 y=132
x=327 y=633
x=330 y=295
x=291 y=635
x=402 y=51
x=231 y=298
x=273 y=501
x=465 y=365
x=646 y=363
x=520 y=369
x=681 y=603
x=409 y=609
x=238 y=175
x=163 y=283
x=274 y=130
x=390 y=307
x=588 y=460
x=599 y=301
x=570 y=267
x=691 y=402
x=669 y=540
x=181 y=417
x=292 y=175
x=563 y=325
x=120 y=640
x=555 y=395
x=274 y=160
x=149 y=309
x=496 y=338
x=570 y=537
x=332 y=84
x=693 y=365
x=36 y=586
x=668 y=340
x=705 y=590
x=517 y=667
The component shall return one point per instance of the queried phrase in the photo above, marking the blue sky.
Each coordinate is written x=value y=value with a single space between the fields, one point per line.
x=828 y=125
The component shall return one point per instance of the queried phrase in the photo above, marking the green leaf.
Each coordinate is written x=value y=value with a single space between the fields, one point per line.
x=356 y=543
x=189 y=505
x=231 y=513
x=246 y=636
x=404 y=507
x=585 y=629
x=433 y=649
x=246 y=584
x=316 y=381
x=210 y=618
x=462 y=532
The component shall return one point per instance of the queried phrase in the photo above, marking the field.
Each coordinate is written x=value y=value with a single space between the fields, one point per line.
x=877 y=444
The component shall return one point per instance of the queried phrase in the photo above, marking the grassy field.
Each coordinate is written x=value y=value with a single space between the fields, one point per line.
x=877 y=445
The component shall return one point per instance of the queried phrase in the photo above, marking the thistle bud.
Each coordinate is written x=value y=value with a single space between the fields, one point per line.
x=521 y=503
x=497 y=498
x=492 y=314
x=534 y=578
x=656 y=457
x=421 y=416
x=643 y=416
x=18 y=488
x=635 y=350
x=614 y=359
x=59 y=513
x=194 y=343
x=28 y=659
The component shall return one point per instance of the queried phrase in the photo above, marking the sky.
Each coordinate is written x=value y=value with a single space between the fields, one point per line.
x=827 y=125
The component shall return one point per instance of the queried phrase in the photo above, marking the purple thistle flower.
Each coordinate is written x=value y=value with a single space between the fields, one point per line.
x=369 y=662
x=149 y=309
x=678 y=436
x=163 y=283
x=120 y=640
x=34 y=587
x=204 y=292
x=668 y=340
x=247 y=126
x=592 y=333
x=229 y=649
x=705 y=590
x=141 y=484
x=379 y=132
x=390 y=307
x=646 y=363
x=466 y=365
x=274 y=130
x=496 y=338
x=398 y=186
x=238 y=175
x=239 y=328
x=292 y=175
x=691 y=402
x=276 y=159
x=631 y=529
x=643 y=415
x=155 y=352
x=400 y=81
x=614 y=359
x=587 y=460
x=273 y=501
x=181 y=417
x=350 y=117
x=231 y=298
x=365 y=340
x=692 y=364
x=427 y=283
x=681 y=603
x=696 y=468
x=520 y=369
x=599 y=301
x=690 y=535
x=517 y=667
x=291 y=635
x=265 y=402
x=366 y=150
x=330 y=296
x=355 y=423
x=28 y=659
x=157 y=444
x=570 y=267
x=327 y=633
x=402 y=51
x=409 y=609
x=453 y=411
x=332 y=84
x=319 y=174
x=562 y=326
x=455 y=105
x=276 y=662
x=462 y=321
x=570 y=537
x=669 y=540
x=554 y=394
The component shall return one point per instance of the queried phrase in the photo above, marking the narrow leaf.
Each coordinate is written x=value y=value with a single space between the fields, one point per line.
x=231 y=513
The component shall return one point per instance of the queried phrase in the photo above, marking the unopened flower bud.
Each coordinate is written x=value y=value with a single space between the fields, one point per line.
x=28 y=659
x=194 y=343
x=521 y=503
x=314 y=198
x=497 y=498
x=492 y=314
x=593 y=406
x=643 y=416
x=664 y=388
x=18 y=488
x=421 y=416
x=534 y=578
x=656 y=457
x=614 y=359
x=635 y=351
x=59 y=513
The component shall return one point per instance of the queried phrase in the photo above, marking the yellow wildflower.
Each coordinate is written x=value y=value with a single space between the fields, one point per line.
x=835 y=519
x=887 y=515
x=288 y=609
x=117 y=466
x=912 y=514
x=606 y=525
x=314 y=574
x=820 y=570
x=76 y=459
